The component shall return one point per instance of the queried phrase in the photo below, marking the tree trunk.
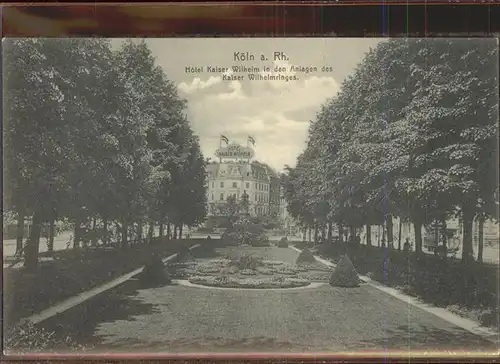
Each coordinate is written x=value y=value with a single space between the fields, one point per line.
x=151 y=232
x=480 y=246
x=352 y=232
x=105 y=231
x=169 y=231
x=52 y=233
x=368 y=235
x=175 y=232
x=310 y=234
x=139 y=232
x=124 y=234
x=330 y=231
x=399 y=233
x=417 y=225
x=390 y=232
x=180 y=231
x=316 y=234
x=341 y=232
x=77 y=233
x=93 y=241
x=467 y=250
x=118 y=231
x=32 y=246
x=161 y=232
x=20 y=232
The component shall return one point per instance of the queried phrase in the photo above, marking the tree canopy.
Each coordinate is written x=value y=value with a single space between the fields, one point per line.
x=91 y=132
x=412 y=133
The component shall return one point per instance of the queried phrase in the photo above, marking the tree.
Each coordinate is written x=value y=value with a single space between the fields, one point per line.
x=410 y=134
x=92 y=135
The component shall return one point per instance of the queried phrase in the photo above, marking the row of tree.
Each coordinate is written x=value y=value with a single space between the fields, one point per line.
x=413 y=134
x=95 y=131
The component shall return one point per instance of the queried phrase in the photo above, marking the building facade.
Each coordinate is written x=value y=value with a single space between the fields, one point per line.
x=236 y=174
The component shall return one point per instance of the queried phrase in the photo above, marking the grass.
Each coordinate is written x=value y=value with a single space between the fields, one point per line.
x=74 y=272
x=134 y=318
x=470 y=291
x=184 y=319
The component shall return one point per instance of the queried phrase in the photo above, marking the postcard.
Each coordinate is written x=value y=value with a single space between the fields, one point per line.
x=250 y=195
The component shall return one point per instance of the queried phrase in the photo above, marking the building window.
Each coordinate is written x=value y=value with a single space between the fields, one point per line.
x=256 y=197
x=212 y=196
x=222 y=197
x=248 y=185
x=235 y=185
x=256 y=186
x=213 y=184
x=222 y=185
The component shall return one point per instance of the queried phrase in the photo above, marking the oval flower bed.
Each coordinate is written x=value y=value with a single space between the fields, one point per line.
x=234 y=282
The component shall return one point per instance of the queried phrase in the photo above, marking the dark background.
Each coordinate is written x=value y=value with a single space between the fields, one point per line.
x=339 y=18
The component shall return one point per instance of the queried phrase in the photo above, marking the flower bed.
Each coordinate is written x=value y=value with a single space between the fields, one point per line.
x=256 y=283
x=314 y=277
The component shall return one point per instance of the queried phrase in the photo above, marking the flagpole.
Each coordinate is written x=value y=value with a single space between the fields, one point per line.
x=220 y=146
x=248 y=146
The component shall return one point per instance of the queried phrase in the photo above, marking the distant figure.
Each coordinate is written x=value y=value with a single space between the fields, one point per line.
x=407 y=246
x=358 y=239
x=383 y=244
x=442 y=251
x=209 y=238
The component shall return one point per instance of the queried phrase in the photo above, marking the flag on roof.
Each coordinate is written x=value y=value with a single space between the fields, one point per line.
x=224 y=138
x=251 y=140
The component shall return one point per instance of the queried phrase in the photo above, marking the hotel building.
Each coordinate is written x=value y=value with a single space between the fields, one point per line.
x=235 y=174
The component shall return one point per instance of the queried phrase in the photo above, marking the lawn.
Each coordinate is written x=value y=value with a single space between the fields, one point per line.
x=176 y=318
x=75 y=271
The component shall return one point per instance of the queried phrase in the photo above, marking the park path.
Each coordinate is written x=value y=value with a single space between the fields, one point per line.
x=325 y=319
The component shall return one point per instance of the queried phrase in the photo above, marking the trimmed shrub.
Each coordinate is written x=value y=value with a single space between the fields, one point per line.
x=305 y=257
x=283 y=243
x=185 y=255
x=155 y=272
x=345 y=274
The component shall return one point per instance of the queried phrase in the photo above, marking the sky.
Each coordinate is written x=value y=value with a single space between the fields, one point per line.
x=276 y=113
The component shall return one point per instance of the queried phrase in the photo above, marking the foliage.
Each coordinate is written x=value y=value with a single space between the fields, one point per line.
x=245 y=261
x=305 y=257
x=185 y=254
x=96 y=134
x=246 y=232
x=345 y=274
x=442 y=282
x=256 y=283
x=28 y=338
x=283 y=243
x=155 y=272
x=412 y=133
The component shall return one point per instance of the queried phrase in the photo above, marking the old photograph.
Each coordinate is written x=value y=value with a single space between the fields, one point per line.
x=250 y=195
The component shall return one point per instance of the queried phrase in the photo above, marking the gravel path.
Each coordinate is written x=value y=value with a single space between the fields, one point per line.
x=184 y=319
